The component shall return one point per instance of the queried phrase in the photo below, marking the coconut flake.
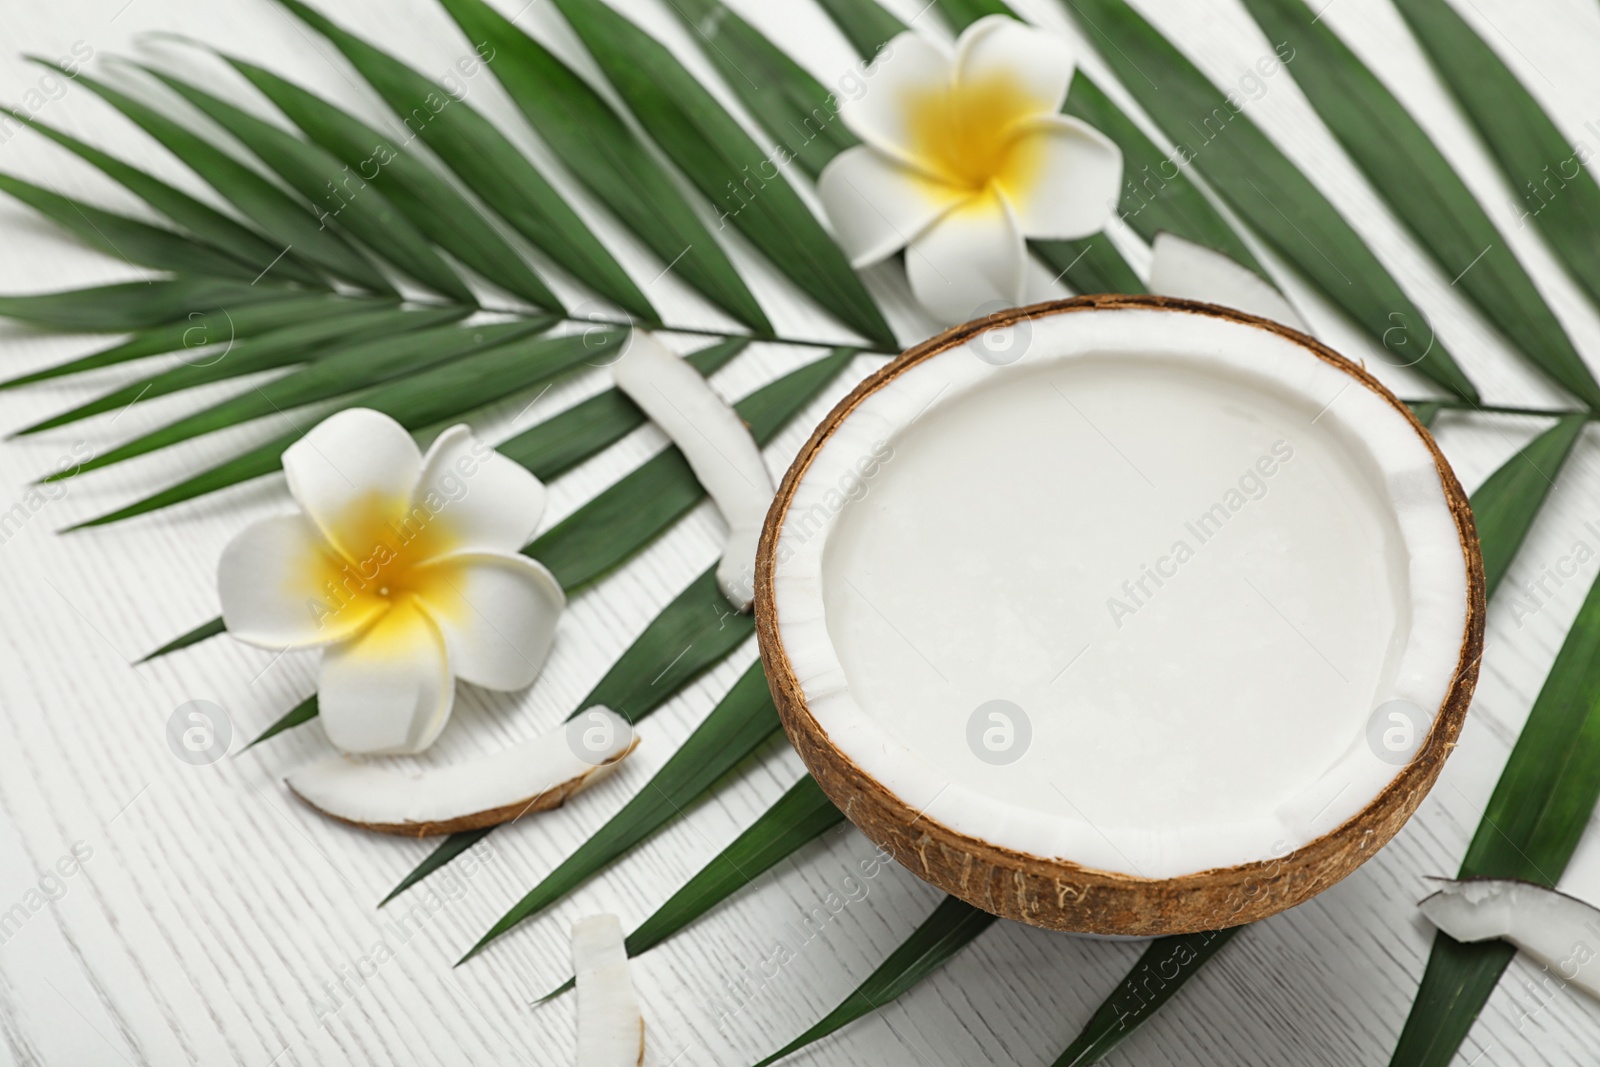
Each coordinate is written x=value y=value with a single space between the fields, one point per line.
x=1194 y=272
x=1559 y=931
x=610 y=1027
x=718 y=445
x=533 y=775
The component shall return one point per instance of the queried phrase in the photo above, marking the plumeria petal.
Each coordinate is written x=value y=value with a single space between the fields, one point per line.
x=352 y=471
x=910 y=68
x=485 y=500
x=972 y=257
x=501 y=619
x=879 y=205
x=998 y=48
x=1063 y=178
x=389 y=690
x=272 y=582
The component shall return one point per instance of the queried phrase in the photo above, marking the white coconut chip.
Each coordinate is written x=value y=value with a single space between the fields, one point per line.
x=1184 y=269
x=1559 y=931
x=610 y=1027
x=532 y=775
x=718 y=445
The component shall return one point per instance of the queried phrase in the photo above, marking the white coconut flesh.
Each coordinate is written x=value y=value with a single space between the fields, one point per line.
x=1179 y=267
x=1196 y=561
x=717 y=444
x=1559 y=931
x=610 y=1027
x=532 y=775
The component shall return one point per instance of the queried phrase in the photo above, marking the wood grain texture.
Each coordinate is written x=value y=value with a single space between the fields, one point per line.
x=216 y=921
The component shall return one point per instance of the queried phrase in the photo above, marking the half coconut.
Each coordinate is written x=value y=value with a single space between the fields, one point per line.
x=1125 y=615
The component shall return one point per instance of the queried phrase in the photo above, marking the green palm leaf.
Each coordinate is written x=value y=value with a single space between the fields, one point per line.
x=1425 y=411
x=275 y=211
x=799 y=817
x=1456 y=984
x=1537 y=813
x=427 y=200
x=963 y=13
x=365 y=212
x=303 y=342
x=349 y=366
x=1410 y=172
x=200 y=219
x=951 y=928
x=1508 y=501
x=415 y=401
x=448 y=849
x=716 y=154
x=1533 y=153
x=1263 y=185
x=1154 y=201
x=1089 y=265
x=693 y=633
x=866 y=24
x=298 y=715
x=129 y=306
x=211 y=628
x=795 y=109
x=197 y=328
x=489 y=164
x=1161 y=970
x=128 y=239
x=735 y=728
x=597 y=146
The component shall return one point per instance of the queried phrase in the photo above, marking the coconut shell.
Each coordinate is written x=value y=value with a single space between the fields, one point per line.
x=1055 y=893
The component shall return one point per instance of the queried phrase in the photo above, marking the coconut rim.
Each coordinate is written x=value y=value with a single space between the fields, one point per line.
x=1087 y=898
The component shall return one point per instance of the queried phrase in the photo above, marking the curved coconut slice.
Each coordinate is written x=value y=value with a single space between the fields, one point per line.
x=1559 y=931
x=610 y=1027
x=716 y=442
x=533 y=775
x=1165 y=624
x=1182 y=268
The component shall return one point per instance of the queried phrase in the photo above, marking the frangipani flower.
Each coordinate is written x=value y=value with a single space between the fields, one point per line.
x=404 y=568
x=965 y=155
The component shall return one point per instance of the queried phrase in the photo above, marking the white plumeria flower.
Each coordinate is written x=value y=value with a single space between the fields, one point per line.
x=405 y=568
x=965 y=155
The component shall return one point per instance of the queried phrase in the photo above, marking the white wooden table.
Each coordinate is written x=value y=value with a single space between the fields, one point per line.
x=216 y=921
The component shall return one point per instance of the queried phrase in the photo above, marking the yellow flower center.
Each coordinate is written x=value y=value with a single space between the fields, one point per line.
x=385 y=556
x=966 y=134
